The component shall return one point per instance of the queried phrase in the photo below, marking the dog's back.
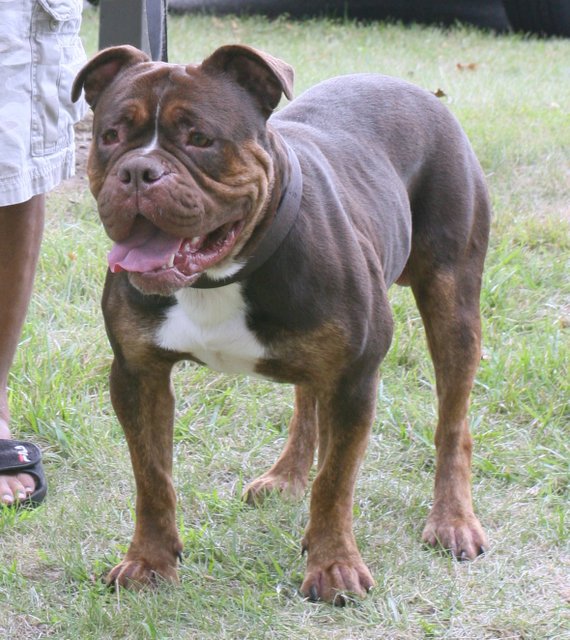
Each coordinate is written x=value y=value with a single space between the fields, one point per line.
x=392 y=147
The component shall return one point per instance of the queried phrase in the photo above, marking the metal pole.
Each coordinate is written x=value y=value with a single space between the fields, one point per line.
x=141 y=23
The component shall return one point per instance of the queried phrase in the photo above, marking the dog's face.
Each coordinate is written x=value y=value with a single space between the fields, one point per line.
x=179 y=163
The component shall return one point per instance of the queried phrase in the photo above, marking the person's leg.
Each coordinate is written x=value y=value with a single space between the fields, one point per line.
x=21 y=228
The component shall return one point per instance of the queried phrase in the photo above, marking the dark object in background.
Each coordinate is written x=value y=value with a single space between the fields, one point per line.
x=144 y=29
x=545 y=17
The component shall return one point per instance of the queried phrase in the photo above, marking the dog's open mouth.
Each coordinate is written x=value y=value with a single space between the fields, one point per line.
x=154 y=253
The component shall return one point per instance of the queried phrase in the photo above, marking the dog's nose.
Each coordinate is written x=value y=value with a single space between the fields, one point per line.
x=141 y=171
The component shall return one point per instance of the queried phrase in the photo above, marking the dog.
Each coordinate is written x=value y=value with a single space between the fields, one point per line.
x=264 y=243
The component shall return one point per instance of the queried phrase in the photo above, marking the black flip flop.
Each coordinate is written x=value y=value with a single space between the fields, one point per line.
x=17 y=456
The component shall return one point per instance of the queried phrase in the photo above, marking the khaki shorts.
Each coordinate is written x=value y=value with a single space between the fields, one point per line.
x=40 y=54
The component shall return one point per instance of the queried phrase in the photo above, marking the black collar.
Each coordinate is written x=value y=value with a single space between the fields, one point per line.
x=285 y=216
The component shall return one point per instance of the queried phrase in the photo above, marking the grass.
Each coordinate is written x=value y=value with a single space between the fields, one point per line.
x=242 y=566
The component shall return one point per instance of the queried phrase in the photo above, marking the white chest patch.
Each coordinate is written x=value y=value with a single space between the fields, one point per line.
x=210 y=324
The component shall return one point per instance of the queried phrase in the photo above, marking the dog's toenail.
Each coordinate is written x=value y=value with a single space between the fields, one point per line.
x=340 y=600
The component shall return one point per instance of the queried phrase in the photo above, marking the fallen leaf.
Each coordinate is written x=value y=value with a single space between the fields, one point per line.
x=469 y=66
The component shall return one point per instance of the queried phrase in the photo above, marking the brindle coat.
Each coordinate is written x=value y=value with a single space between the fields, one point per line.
x=392 y=192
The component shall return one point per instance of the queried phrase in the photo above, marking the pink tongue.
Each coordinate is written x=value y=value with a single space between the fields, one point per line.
x=146 y=249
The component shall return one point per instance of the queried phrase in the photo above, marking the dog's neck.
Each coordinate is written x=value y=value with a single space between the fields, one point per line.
x=282 y=222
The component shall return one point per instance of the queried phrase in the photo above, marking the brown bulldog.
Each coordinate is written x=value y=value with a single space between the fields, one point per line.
x=266 y=245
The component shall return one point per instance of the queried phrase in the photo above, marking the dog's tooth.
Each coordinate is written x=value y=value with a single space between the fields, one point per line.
x=170 y=261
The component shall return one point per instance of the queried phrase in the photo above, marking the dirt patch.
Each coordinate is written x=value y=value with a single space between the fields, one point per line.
x=82 y=144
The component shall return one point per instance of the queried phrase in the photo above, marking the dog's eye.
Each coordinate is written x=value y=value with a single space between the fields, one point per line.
x=197 y=139
x=111 y=136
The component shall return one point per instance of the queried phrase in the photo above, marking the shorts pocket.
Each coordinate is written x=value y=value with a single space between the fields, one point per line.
x=57 y=56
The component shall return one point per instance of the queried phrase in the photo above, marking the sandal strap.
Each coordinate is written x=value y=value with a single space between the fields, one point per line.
x=17 y=455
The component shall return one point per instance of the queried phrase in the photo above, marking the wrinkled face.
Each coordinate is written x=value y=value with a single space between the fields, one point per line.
x=180 y=171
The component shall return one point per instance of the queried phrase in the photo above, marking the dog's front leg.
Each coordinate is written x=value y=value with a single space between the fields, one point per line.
x=144 y=403
x=334 y=564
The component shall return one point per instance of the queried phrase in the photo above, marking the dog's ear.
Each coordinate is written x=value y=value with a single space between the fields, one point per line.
x=101 y=70
x=264 y=76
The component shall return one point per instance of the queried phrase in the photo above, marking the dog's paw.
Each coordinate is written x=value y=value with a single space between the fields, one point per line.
x=462 y=536
x=136 y=574
x=337 y=581
x=335 y=570
x=291 y=487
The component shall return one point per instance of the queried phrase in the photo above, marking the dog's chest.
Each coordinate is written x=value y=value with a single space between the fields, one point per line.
x=211 y=325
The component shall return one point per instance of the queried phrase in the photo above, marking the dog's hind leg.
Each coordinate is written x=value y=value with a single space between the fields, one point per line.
x=453 y=330
x=290 y=473
x=447 y=293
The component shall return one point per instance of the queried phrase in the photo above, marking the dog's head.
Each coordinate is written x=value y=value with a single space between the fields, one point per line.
x=179 y=162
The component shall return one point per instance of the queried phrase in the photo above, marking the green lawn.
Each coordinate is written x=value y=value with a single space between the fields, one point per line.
x=242 y=566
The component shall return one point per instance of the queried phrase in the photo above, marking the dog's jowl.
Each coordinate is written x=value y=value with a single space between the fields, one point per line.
x=265 y=244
